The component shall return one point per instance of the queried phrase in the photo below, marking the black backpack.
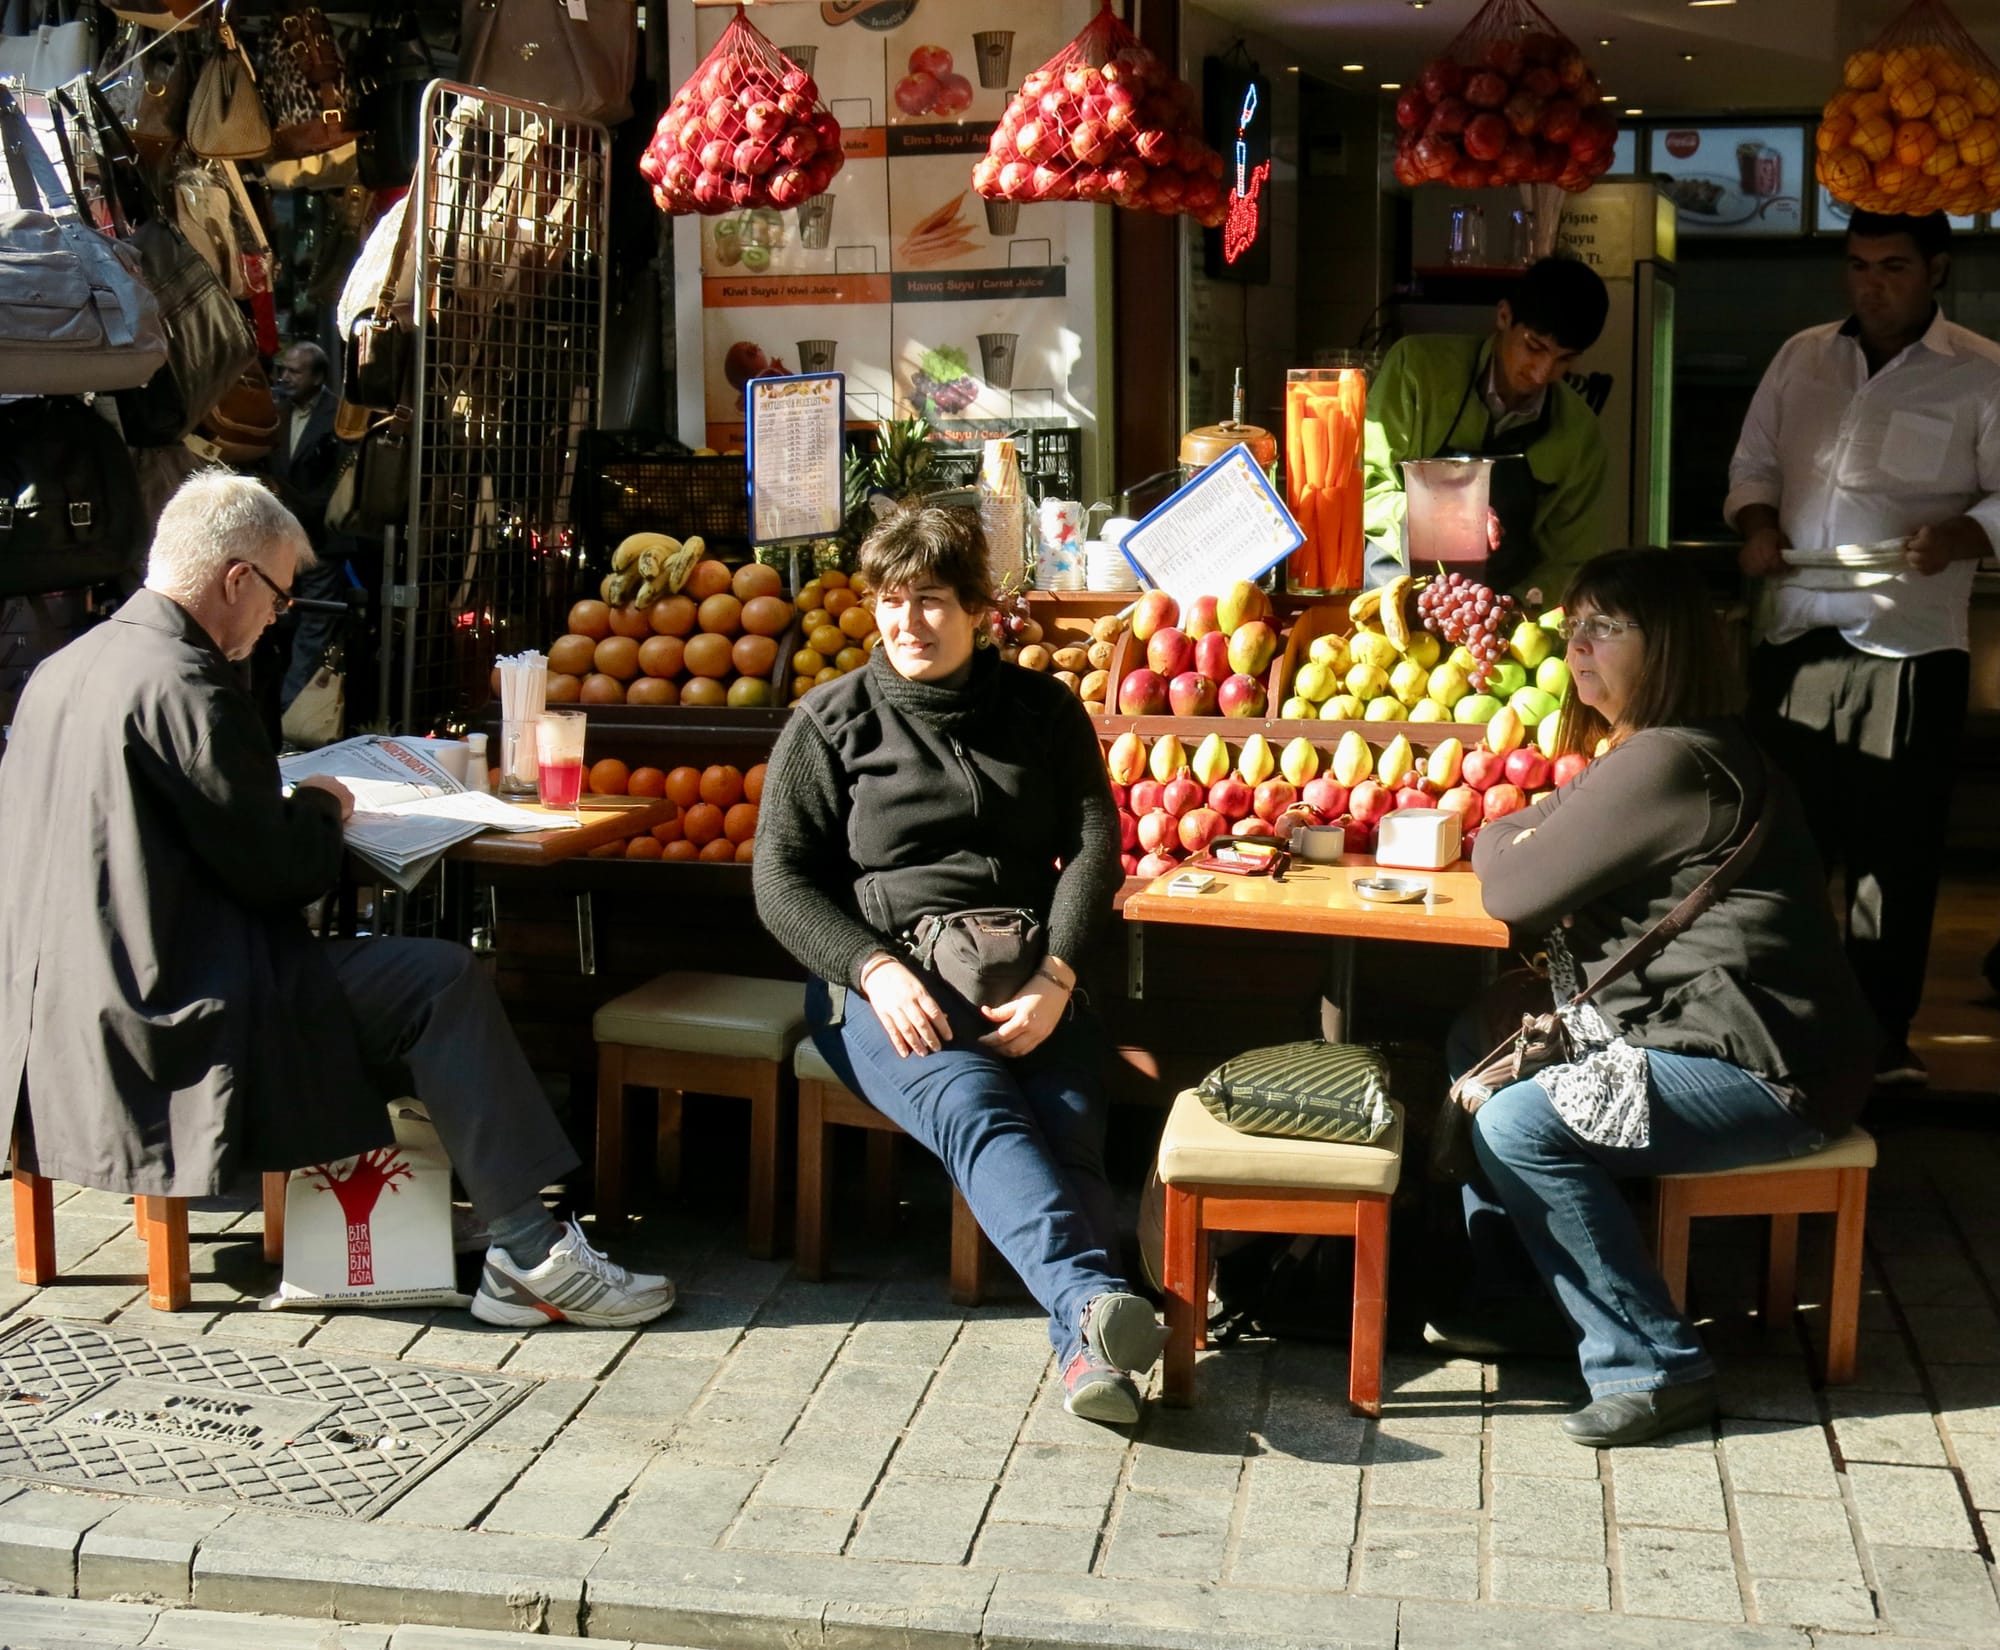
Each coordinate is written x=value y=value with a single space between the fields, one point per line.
x=69 y=498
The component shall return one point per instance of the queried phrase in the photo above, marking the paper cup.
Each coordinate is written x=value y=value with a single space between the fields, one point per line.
x=996 y=358
x=993 y=49
x=816 y=354
x=1002 y=217
x=816 y=222
x=801 y=55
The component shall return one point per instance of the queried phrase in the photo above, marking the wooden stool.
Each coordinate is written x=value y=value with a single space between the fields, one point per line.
x=1220 y=1180
x=712 y=1034
x=160 y=1221
x=1831 y=1181
x=827 y=1103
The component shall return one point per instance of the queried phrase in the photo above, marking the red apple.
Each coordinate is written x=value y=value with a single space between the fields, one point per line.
x=1464 y=801
x=1155 y=610
x=1200 y=828
x=1241 y=696
x=1183 y=796
x=915 y=93
x=1143 y=693
x=1200 y=619
x=1191 y=694
x=1273 y=797
x=1169 y=651
x=1230 y=797
x=1369 y=801
x=1211 y=655
x=1528 y=768
x=1481 y=769
x=1157 y=865
x=933 y=60
x=1567 y=767
x=1502 y=800
x=1158 y=830
x=1327 y=795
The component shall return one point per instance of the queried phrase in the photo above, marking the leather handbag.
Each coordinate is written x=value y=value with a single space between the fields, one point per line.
x=391 y=69
x=245 y=424
x=159 y=126
x=381 y=352
x=373 y=489
x=986 y=954
x=75 y=312
x=305 y=85
x=226 y=119
x=579 y=56
x=69 y=499
x=58 y=43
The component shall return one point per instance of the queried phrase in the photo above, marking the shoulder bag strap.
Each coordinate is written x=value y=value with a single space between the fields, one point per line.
x=1717 y=883
x=34 y=176
x=399 y=254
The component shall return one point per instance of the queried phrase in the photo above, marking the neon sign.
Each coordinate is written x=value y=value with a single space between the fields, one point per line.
x=1237 y=114
x=1239 y=233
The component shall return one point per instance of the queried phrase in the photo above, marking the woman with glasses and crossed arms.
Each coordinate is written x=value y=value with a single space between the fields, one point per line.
x=1744 y=1040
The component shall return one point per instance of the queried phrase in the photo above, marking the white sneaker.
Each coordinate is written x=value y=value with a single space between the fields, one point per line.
x=576 y=1284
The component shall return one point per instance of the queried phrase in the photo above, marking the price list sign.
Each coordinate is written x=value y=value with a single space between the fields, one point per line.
x=1226 y=524
x=795 y=446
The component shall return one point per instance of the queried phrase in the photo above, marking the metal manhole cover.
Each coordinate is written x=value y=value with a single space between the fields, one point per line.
x=100 y=1409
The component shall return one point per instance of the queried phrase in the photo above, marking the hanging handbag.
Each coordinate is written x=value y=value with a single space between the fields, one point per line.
x=208 y=343
x=579 y=56
x=381 y=350
x=59 y=43
x=373 y=489
x=986 y=955
x=256 y=260
x=205 y=215
x=1538 y=1038
x=318 y=714
x=226 y=119
x=305 y=87
x=75 y=312
x=390 y=73
x=160 y=125
x=69 y=499
x=245 y=424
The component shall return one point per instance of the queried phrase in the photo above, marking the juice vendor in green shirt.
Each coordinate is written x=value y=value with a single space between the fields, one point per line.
x=1501 y=396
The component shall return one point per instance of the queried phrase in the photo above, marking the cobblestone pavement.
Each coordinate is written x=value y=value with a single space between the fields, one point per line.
x=859 y=1463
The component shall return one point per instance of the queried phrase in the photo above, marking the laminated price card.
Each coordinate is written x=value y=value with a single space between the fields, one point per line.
x=797 y=427
x=1226 y=524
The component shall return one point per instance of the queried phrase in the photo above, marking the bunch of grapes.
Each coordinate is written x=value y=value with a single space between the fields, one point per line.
x=954 y=395
x=1007 y=620
x=1468 y=615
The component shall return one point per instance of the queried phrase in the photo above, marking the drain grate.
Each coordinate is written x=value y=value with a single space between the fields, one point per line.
x=100 y=1409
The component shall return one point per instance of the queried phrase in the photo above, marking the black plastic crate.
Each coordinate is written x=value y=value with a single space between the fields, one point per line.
x=1051 y=462
x=638 y=483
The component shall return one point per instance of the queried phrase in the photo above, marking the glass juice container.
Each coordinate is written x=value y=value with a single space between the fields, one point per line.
x=1325 y=411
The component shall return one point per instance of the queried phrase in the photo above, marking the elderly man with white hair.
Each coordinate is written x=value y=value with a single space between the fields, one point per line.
x=167 y=1020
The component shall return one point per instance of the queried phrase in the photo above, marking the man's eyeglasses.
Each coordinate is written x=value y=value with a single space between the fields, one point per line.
x=281 y=599
x=1598 y=627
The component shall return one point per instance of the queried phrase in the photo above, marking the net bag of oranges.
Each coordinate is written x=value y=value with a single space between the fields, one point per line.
x=1105 y=120
x=748 y=129
x=1510 y=100
x=1915 y=126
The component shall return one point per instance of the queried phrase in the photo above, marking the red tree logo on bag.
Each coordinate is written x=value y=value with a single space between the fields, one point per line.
x=359 y=1190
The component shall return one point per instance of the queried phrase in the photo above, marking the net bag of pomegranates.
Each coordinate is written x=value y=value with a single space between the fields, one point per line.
x=747 y=129
x=1915 y=126
x=1510 y=100
x=1105 y=120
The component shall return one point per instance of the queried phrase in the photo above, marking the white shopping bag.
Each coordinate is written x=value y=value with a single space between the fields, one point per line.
x=373 y=1230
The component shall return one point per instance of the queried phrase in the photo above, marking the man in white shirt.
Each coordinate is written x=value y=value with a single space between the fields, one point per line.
x=1882 y=430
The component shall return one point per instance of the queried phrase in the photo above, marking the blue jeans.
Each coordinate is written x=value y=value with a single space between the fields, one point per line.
x=1021 y=1137
x=1560 y=1192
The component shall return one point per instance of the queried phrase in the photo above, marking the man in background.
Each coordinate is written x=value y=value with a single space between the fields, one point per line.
x=302 y=470
x=1882 y=429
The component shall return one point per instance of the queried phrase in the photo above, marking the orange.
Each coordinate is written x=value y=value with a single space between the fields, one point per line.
x=618 y=656
x=601 y=690
x=647 y=782
x=1980 y=146
x=493 y=682
x=562 y=690
x=680 y=849
x=857 y=621
x=806 y=660
x=709 y=578
x=572 y=654
x=1875 y=138
x=707 y=655
x=705 y=692
x=652 y=690
x=1943 y=159
x=740 y=823
x=753 y=783
x=801 y=683
x=702 y=823
x=828 y=640
x=661 y=655
x=1916 y=142
x=811 y=619
x=809 y=594
x=610 y=850
x=722 y=785
x=754 y=579
x=754 y=655
x=722 y=615
x=684 y=786
x=719 y=852
x=592 y=619
x=630 y=621
x=672 y=615
x=834 y=579
x=1913 y=99
x=830 y=674
x=766 y=615
x=608 y=777
x=850 y=658
x=1846 y=171
x=672 y=831
x=745 y=850
x=749 y=693
x=839 y=601
x=1866 y=104
x=1951 y=115
x=1863 y=70
x=645 y=847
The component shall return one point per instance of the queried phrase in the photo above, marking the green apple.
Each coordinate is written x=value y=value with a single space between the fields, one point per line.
x=1344 y=708
x=1429 y=710
x=1476 y=707
x=1448 y=684
x=1506 y=678
x=1530 y=644
x=1552 y=676
x=1425 y=648
x=1317 y=681
x=1386 y=709
x=1299 y=710
x=1367 y=681
x=1551 y=620
x=1408 y=681
x=1532 y=704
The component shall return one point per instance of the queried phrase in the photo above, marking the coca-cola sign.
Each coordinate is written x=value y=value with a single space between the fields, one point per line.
x=1682 y=144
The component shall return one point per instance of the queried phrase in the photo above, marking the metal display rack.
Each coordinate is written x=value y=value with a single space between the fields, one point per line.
x=512 y=203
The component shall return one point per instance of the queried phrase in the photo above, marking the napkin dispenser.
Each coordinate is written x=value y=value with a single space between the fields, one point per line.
x=1418 y=839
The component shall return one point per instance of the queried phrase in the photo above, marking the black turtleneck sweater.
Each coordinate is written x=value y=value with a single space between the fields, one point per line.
x=888 y=800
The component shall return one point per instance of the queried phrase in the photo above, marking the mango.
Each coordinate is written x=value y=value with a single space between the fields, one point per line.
x=1239 y=604
x=1395 y=762
x=1168 y=760
x=1126 y=760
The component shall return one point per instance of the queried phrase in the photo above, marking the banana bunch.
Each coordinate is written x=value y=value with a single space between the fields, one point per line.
x=647 y=566
x=1387 y=609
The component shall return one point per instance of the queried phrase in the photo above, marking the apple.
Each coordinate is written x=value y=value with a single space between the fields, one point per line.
x=933 y=60
x=1183 y=796
x=1191 y=694
x=1201 y=619
x=1502 y=800
x=1211 y=656
x=1252 y=646
x=1241 y=696
x=1273 y=797
x=1239 y=604
x=1143 y=693
x=1157 y=865
x=1200 y=828
x=1147 y=794
x=1482 y=770
x=1230 y=797
x=1467 y=803
x=1155 y=610
x=1169 y=651
x=1329 y=796
x=1567 y=767
x=1528 y=768
x=1158 y=830
x=1128 y=831
x=1369 y=801
x=954 y=95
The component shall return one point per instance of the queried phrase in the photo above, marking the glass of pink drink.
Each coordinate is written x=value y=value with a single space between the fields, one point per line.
x=559 y=755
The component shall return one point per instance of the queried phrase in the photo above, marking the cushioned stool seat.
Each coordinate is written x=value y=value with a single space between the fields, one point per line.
x=826 y=1102
x=1220 y=1180
x=707 y=1034
x=1832 y=1180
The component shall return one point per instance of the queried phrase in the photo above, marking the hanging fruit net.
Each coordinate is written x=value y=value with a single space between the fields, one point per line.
x=1915 y=126
x=1105 y=120
x=1510 y=100
x=748 y=129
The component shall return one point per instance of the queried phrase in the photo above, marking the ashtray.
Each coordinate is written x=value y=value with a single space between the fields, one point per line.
x=1391 y=890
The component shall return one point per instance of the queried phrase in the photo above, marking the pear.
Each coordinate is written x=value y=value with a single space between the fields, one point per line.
x=1388 y=708
x=1429 y=710
x=1395 y=762
x=1475 y=707
x=1211 y=760
x=1330 y=651
x=1300 y=762
x=1353 y=761
x=1552 y=677
x=1545 y=736
x=1551 y=620
x=1447 y=684
x=1296 y=709
x=1255 y=762
x=1347 y=707
x=1168 y=761
x=1503 y=734
x=1408 y=681
x=1506 y=678
x=1462 y=657
x=1446 y=758
x=1366 y=681
x=1425 y=649
x=1126 y=760
x=1371 y=647
x=1530 y=643
x=1317 y=681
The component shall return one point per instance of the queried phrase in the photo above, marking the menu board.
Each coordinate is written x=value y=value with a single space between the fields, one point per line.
x=797 y=429
x=1733 y=181
x=1226 y=524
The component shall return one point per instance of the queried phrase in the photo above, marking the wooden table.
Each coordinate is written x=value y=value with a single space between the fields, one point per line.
x=606 y=819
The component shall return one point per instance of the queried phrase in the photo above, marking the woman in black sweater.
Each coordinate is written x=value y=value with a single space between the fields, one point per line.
x=1745 y=1040
x=940 y=779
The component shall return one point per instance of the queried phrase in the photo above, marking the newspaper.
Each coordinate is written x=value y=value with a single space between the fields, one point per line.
x=407 y=808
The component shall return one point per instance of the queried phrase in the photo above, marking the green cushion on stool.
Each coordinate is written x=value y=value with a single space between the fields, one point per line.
x=810 y=1066
x=724 y=1014
x=1197 y=1146
x=1853 y=1150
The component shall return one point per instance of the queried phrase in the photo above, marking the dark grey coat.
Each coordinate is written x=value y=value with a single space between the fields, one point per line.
x=164 y=1009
